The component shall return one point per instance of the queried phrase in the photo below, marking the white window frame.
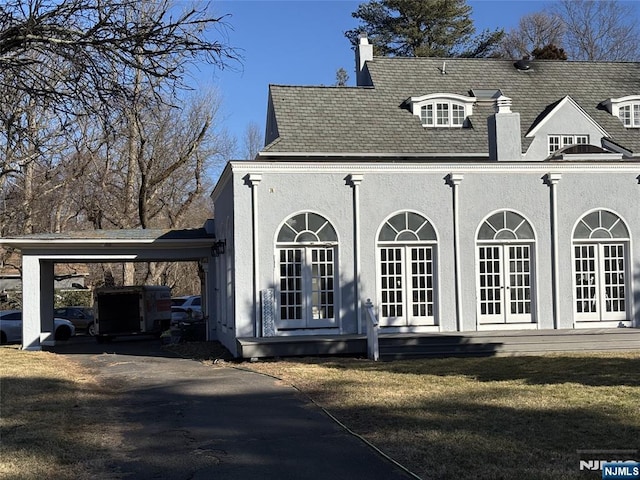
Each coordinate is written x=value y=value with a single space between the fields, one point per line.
x=409 y=239
x=630 y=104
x=428 y=108
x=556 y=142
x=591 y=305
x=515 y=231
x=306 y=247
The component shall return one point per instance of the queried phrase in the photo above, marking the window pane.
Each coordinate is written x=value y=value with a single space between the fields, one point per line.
x=457 y=114
x=442 y=113
x=636 y=115
x=625 y=115
x=426 y=114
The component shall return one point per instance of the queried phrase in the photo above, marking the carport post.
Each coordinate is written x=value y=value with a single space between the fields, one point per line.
x=37 y=302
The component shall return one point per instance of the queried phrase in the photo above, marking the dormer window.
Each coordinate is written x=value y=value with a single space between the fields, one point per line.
x=629 y=114
x=627 y=109
x=442 y=110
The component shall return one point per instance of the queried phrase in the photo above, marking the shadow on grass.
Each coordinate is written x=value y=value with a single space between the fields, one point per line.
x=458 y=438
x=589 y=370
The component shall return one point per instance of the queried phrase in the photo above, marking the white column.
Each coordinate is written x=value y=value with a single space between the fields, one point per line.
x=355 y=179
x=253 y=179
x=37 y=303
x=552 y=180
x=454 y=180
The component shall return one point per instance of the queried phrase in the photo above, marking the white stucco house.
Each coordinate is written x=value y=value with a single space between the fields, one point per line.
x=458 y=195
x=471 y=200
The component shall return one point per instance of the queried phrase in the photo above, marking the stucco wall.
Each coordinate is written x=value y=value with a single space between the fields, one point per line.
x=289 y=188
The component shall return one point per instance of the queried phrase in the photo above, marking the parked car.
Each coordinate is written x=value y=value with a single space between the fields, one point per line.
x=81 y=317
x=11 y=327
x=185 y=315
x=193 y=302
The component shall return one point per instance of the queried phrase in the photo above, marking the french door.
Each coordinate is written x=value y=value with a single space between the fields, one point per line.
x=307 y=287
x=600 y=281
x=407 y=285
x=504 y=284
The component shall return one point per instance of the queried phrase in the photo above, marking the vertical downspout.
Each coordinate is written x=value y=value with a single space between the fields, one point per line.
x=453 y=180
x=552 y=179
x=355 y=180
x=253 y=179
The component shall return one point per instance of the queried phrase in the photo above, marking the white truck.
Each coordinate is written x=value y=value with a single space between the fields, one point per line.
x=131 y=310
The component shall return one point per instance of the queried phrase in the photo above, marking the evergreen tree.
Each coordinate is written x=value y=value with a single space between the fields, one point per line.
x=422 y=28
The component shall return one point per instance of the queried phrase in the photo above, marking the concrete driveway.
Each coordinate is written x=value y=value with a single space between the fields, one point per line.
x=187 y=420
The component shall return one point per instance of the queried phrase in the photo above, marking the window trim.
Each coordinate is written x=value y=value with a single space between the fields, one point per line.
x=615 y=106
x=562 y=141
x=453 y=102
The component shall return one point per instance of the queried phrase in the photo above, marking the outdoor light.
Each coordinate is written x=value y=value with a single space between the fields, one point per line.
x=217 y=248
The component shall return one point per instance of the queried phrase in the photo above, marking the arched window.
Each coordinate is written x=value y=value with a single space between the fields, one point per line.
x=600 y=246
x=505 y=269
x=407 y=271
x=307 y=279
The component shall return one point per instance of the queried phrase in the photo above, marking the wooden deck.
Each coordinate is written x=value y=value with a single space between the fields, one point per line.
x=459 y=344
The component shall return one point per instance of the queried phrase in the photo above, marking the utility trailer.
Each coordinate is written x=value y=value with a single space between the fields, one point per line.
x=132 y=310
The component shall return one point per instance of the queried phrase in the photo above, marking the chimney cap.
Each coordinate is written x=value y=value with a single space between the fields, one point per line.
x=363 y=39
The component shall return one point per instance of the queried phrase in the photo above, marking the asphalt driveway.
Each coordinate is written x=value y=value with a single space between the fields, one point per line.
x=188 y=420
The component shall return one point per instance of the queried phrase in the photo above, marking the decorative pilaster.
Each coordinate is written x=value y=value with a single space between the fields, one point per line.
x=354 y=180
x=454 y=180
x=253 y=180
x=552 y=179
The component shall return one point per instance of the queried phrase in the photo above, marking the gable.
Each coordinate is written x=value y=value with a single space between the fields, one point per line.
x=564 y=118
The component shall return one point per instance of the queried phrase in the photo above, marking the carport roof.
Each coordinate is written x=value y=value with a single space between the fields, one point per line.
x=139 y=235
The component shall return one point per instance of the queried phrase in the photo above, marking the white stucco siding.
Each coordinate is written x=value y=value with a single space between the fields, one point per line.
x=386 y=189
x=384 y=194
x=482 y=194
x=585 y=191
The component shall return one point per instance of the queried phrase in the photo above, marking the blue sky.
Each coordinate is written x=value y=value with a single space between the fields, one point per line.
x=302 y=42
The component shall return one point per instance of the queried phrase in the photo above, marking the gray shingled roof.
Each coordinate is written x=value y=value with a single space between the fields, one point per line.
x=352 y=120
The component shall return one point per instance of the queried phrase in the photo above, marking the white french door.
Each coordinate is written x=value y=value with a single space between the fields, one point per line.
x=504 y=284
x=407 y=285
x=307 y=287
x=600 y=281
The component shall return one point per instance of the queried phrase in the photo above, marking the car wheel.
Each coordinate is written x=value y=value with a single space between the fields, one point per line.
x=91 y=330
x=63 y=333
x=3 y=338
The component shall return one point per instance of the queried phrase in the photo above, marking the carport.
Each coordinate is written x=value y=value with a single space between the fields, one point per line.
x=40 y=252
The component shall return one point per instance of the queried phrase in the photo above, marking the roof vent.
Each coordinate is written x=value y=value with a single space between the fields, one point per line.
x=523 y=64
x=503 y=104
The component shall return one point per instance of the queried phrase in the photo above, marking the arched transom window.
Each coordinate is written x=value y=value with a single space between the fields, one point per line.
x=505 y=225
x=306 y=272
x=307 y=227
x=600 y=249
x=601 y=224
x=407 y=271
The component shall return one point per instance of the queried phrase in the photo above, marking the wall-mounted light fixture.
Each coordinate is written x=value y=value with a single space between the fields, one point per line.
x=217 y=248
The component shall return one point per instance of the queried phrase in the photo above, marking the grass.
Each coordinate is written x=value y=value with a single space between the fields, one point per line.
x=474 y=418
x=480 y=418
x=55 y=420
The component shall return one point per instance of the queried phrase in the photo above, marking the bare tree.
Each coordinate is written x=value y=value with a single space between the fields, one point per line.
x=97 y=48
x=252 y=142
x=603 y=30
x=534 y=31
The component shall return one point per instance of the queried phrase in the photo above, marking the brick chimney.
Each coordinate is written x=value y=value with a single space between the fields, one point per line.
x=505 y=138
x=364 y=53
